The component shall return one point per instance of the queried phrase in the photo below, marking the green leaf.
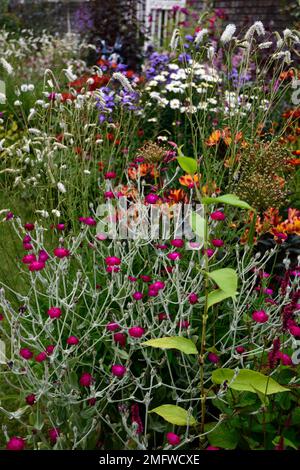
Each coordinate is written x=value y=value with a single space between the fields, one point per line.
x=223 y=436
x=198 y=224
x=286 y=442
x=184 y=345
x=189 y=165
x=230 y=199
x=248 y=380
x=226 y=279
x=217 y=296
x=175 y=414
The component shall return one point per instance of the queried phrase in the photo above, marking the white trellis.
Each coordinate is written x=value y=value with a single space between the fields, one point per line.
x=156 y=16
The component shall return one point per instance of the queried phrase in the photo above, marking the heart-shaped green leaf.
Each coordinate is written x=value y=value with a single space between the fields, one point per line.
x=226 y=279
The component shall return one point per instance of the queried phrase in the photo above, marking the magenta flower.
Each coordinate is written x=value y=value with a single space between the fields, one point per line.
x=212 y=357
x=26 y=353
x=136 y=331
x=173 y=439
x=30 y=399
x=152 y=198
x=118 y=370
x=61 y=252
x=72 y=340
x=145 y=278
x=158 y=285
x=86 y=379
x=41 y=357
x=112 y=261
x=174 y=256
x=112 y=326
x=28 y=259
x=29 y=227
x=53 y=434
x=36 y=266
x=217 y=243
x=110 y=175
x=217 y=215
x=260 y=316
x=120 y=338
x=137 y=295
x=295 y=330
x=193 y=298
x=43 y=256
x=212 y=448
x=15 y=443
x=54 y=312
x=60 y=227
x=109 y=195
x=177 y=242
x=240 y=349
x=50 y=349
x=88 y=220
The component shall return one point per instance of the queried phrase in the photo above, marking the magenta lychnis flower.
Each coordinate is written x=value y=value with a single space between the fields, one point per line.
x=118 y=370
x=54 y=312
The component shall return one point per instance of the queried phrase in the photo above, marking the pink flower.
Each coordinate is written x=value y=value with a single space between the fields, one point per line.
x=61 y=252
x=15 y=443
x=145 y=278
x=72 y=340
x=50 y=349
x=260 y=316
x=217 y=242
x=29 y=227
x=152 y=292
x=88 y=220
x=132 y=278
x=212 y=357
x=183 y=324
x=1 y=317
x=112 y=269
x=26 y=353
x=209 y=252
x=112 y=326
x=173 y=256
x=158 y=285
x=151 y=198
x=101 y=237
x=173 y=439
x=53 y=434
x=27 y=239
x=217 y=215
x=112 y=261
x=193 y=298
x=60 y=227
x=30 y=399
x=118 y=370
x=162 y=316
x=27 y=246
x=240 y=349
x=137 y=295
x=86 y=379
x=109 y=195
x=294 y=330
x=110 y=175
x=136 y=331
x=28 y=259
x=177 y=242
x=36 y=266
x=54 y=312
x=41 y=357
x=212 y=448
x=120 y=338
x=43 y=256
x=285 y=359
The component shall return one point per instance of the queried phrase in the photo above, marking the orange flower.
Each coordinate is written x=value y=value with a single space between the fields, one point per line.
x=142 y=170
x=177 y=195
x=214 y=138
x=294 y=161
x=189 y=181
x=296 y=152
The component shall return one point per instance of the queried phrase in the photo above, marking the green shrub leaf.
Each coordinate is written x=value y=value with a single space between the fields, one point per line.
x=226 y=279
x=230 y=199
x=184 y=345
x=175 y=414
x=248 y=380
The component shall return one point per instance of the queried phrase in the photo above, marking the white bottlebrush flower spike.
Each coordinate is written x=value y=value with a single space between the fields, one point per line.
x=7 y=67
x=124 y=81
x=61 y=187
x=228 y=33
x=200 y=35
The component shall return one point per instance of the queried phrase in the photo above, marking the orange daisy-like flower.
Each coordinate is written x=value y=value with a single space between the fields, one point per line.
x=142 y=170
x=189 y=181
x=294 y=161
